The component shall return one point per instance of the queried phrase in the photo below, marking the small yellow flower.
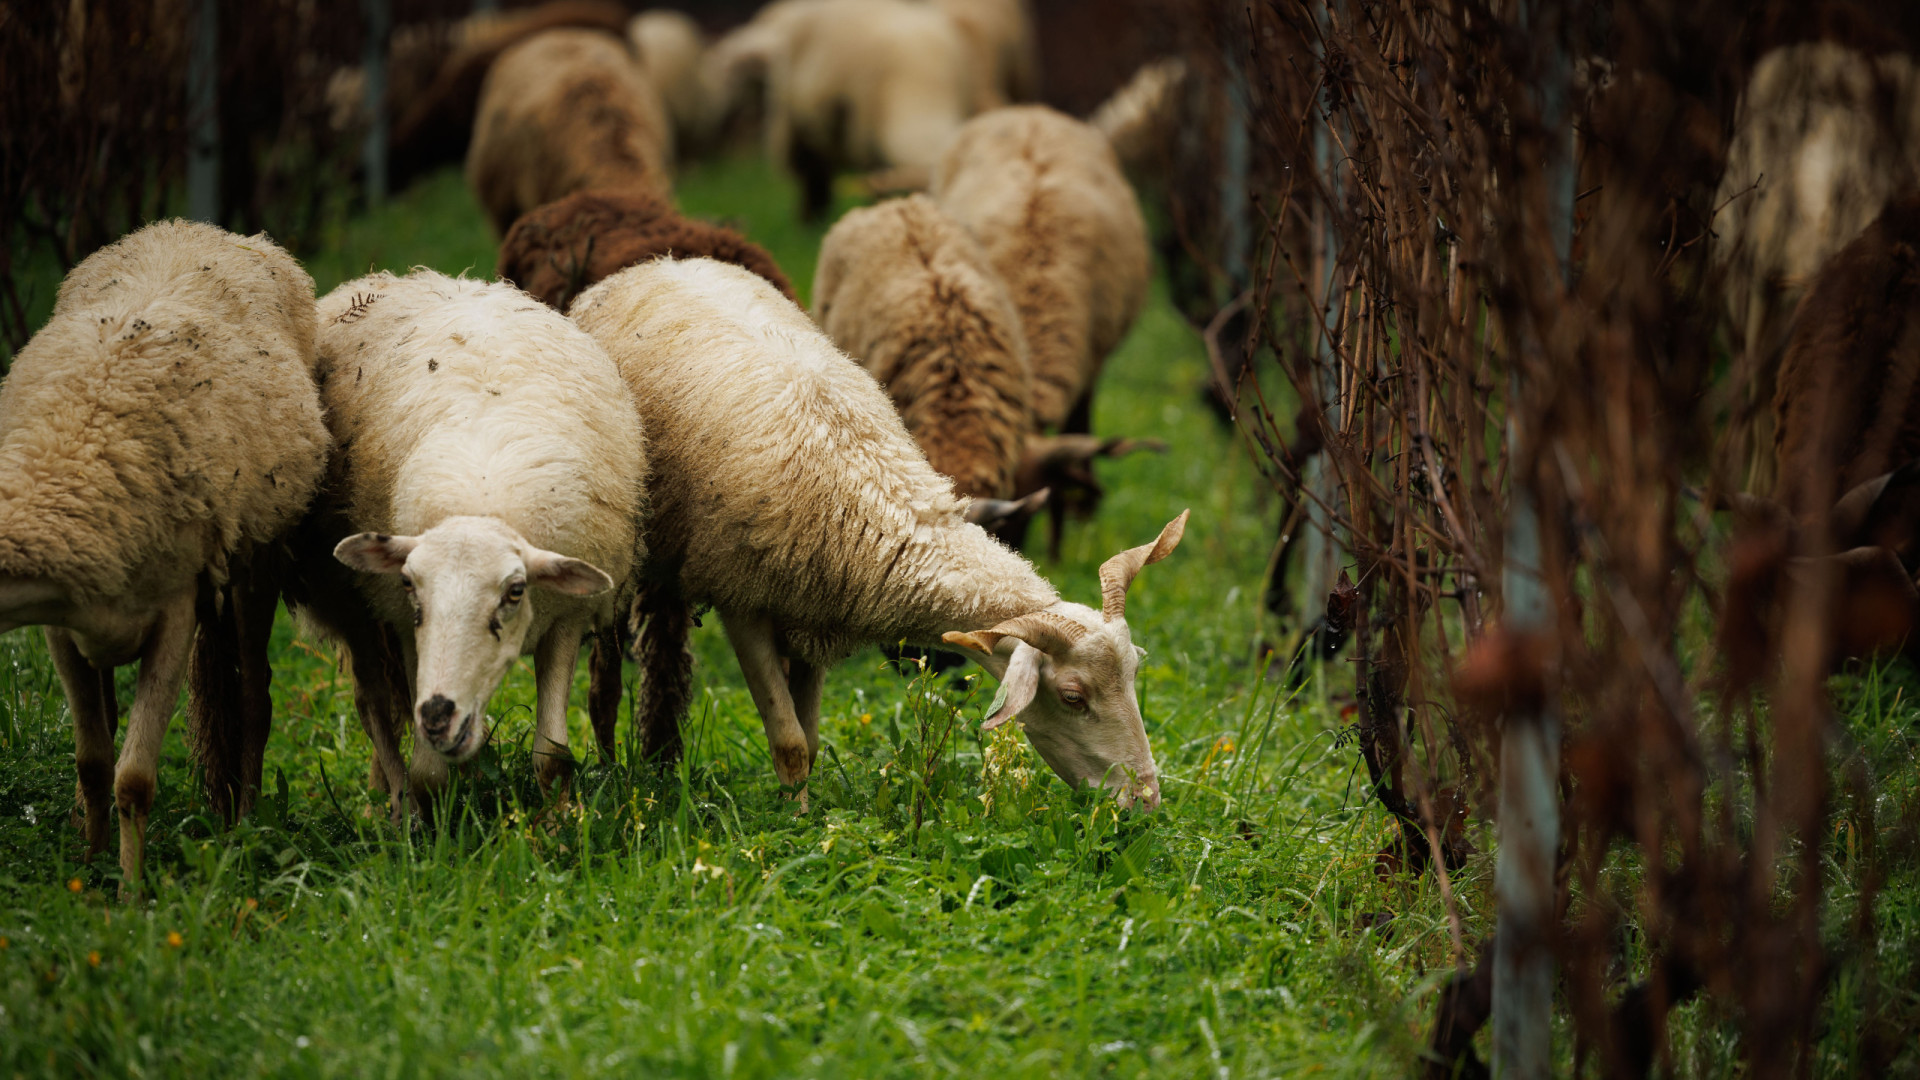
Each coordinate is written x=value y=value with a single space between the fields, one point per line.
x=252 y=904
x=93 y=959
x=73 y=886
x=866 y=718
x=174 y=940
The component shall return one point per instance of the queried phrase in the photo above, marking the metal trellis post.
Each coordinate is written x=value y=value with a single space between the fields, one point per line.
x=203 y=113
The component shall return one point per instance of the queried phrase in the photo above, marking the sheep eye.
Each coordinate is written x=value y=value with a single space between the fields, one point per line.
x=406 y=582
x=1072 y=697
x=516 y=591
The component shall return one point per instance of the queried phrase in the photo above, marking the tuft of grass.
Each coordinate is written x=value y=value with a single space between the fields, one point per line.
x=686 y=922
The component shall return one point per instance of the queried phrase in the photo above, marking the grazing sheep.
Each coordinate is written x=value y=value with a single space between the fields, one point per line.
x=1044 y=195
x=852 y=85
x=786 y=493
x=672 y=52
x=434 y=75
x=557 y=250
x=904 y=290
x=1848 y=404
x=156 y=436
x=488 y=485
x=1823 y=138
x=565 y=111
x=1006 y=58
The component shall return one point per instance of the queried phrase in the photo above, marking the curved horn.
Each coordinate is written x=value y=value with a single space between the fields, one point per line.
x=1052 y=634
x=1117 y=573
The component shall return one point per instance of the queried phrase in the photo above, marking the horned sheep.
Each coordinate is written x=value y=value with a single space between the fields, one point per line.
x=488 y=487
x=557 y=250
x=787 y=494
x=156 y=437
x=565 y=111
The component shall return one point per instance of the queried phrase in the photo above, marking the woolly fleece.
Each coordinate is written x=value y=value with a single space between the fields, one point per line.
x=1044 y=195
x=564 y=111
x=904 y=290
x=783 y=482
x=164 y=418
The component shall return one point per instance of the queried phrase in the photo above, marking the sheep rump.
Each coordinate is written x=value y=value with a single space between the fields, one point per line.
x=565 y=111
x=1044 y=195
x=558 y=250
x=903 y=289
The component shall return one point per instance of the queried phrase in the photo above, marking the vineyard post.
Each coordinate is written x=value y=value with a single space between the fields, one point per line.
x=373 y=154
x=203 y=113
x=1529 y=818
x=1323 y=550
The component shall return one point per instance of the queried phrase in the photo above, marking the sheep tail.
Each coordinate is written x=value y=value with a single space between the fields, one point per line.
x=667 y=670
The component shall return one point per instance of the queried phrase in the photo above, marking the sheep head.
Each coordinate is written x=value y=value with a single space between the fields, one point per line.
x=467 y=580
x=1068 y=672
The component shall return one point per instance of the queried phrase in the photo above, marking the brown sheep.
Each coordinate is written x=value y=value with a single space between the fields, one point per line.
x=432 y=110
x=565 y=111
x=905 y=291
x=558 y=250
x=1847 y=408
x=1847 y=450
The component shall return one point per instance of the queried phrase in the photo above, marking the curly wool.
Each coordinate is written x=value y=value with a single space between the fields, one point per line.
x=164 y=418
x=565 y=111
x=904 y=290
x=1044 y=195
x=556 y=251
x=452 y=397
x=783 y=482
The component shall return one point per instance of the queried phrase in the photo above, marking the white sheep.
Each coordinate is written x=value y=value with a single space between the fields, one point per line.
x=903 y=289
x=672 y=51
x=565 y=111
x=1044 y=195
x=156 y=434
x=1823 y=138
x=1006 y=58
x=852 y=85
x=786 y=493
x=488 y=484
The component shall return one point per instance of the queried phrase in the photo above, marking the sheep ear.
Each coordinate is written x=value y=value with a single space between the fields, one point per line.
x=375 y=553
x=1017 y=687
x=1884 y=512
x=990 y=514
x=575 y=577
x=1117 y=573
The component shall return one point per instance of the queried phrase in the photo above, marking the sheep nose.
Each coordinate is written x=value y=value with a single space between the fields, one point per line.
x=435 y=714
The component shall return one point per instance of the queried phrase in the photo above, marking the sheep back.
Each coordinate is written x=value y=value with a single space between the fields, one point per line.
x=1823 y=136
x=783 y=482
x=564 y=111
x=904 y=290
x=670 y=47
x=1044 y=195
x=452 y=397
x=1848 y=405
x=557 y=250
x=1006 y=60
x=164 y=417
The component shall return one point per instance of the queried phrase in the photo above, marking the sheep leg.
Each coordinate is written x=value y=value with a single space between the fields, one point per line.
x=668 y=674
x=163 y=668
x=90 y=699
x=804 y=684
x=254 y=604
x=380 y=693
x=553 y=662
x=603 y=687
x=752 y=637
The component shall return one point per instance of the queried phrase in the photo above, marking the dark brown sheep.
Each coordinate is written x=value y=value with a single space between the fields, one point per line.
x=556 y=251
x=1847 y=408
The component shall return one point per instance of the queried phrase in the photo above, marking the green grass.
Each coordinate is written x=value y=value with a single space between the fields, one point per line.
x=688 y=924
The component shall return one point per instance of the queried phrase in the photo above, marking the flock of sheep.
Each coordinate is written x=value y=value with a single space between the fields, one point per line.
x=443 y=474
